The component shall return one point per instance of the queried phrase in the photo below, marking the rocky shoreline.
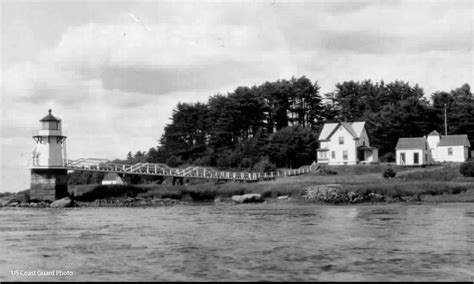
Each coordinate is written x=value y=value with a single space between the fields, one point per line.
x=331 y=194
x=68 y=203
x=335 y=194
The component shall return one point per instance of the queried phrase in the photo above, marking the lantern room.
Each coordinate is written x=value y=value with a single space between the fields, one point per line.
x=50 y=122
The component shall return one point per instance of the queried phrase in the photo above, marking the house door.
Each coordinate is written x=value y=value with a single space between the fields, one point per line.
x=360 y=155
x=402 y=158
x=416 y=158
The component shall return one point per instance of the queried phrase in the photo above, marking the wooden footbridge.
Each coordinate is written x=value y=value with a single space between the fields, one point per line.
x=162 y=170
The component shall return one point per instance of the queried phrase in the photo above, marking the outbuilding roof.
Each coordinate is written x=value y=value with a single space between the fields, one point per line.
x=454 y=140
x=434 y=133
x=111 y=177
x=50 y=117
x=411 y=143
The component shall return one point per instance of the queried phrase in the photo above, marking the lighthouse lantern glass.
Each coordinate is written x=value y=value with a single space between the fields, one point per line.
x=50 y=125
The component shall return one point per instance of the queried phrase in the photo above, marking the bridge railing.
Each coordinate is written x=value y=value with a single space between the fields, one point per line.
x=103 y=165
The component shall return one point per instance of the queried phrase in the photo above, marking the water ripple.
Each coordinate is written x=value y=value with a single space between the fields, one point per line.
x=264 y=242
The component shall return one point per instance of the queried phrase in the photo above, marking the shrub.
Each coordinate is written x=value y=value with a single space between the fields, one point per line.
x=174 y=161
x=105 y=191
x=264 y=165
x=327 y=171
x=389 y=173
x=456 y=190
x=201 y=193
x=467 y=169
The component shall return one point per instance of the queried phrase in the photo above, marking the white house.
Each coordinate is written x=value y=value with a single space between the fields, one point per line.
x=433 y=148
x=449 y=148
x=345 y=143
x=112 y=178
x=413 y=152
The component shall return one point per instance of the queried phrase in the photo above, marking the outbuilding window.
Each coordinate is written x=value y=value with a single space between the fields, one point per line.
x=450 y=151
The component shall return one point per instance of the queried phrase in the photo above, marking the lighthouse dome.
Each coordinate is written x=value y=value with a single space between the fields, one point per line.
x=50 y=122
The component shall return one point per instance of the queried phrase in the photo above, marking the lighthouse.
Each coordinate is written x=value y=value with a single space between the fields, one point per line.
x=48 y=161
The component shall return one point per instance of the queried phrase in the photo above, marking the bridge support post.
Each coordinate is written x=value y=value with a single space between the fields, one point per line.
x=48 y=184
x=178 y=181
x=160 y=179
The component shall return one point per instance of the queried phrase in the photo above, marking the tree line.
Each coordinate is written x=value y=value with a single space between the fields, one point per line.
x=276 y=124
x=280 y=121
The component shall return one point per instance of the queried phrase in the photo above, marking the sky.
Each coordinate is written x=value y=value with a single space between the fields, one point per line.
x=113 y=71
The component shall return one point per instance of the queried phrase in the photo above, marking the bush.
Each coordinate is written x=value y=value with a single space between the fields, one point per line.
x=174 y=161
x=264 y=165
x=106 y=191
x=201 y=192
x=389 y=173
x=327 y=171
x=467 y=169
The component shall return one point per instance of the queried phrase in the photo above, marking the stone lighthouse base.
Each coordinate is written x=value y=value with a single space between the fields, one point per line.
x=48 y=184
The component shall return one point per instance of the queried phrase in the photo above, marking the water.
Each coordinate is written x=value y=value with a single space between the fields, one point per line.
x=254 y=242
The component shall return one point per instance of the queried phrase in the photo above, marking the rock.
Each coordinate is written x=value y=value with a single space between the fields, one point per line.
x=375 y=197
x=248 y=198
x=217 y=200
x=352 y=195
x=332 y=193
x=5 y=200
x=13 y=204
x=61 y=203
x=285 y=197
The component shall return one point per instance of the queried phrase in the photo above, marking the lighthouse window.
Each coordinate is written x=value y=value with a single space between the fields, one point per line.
x=50 y=125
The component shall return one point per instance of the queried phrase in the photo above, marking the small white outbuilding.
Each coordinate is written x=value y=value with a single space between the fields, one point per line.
x=412 y=152
x=433 y=148
x=112 y=178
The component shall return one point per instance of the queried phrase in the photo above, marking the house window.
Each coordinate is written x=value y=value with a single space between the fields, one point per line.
x=416 y=158
x=450 y=151
x=333 y=154
x=344 y=155
x=341 y=140
x=323 y=155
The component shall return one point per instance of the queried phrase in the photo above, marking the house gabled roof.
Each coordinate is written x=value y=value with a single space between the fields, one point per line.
x=411 y=143
x=454 y=140
x=434 y=133
x=349 y=128
x=354 y=128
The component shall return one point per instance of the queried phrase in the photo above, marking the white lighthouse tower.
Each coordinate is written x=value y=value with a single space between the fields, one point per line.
x=48 y=172
x=50 y=150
